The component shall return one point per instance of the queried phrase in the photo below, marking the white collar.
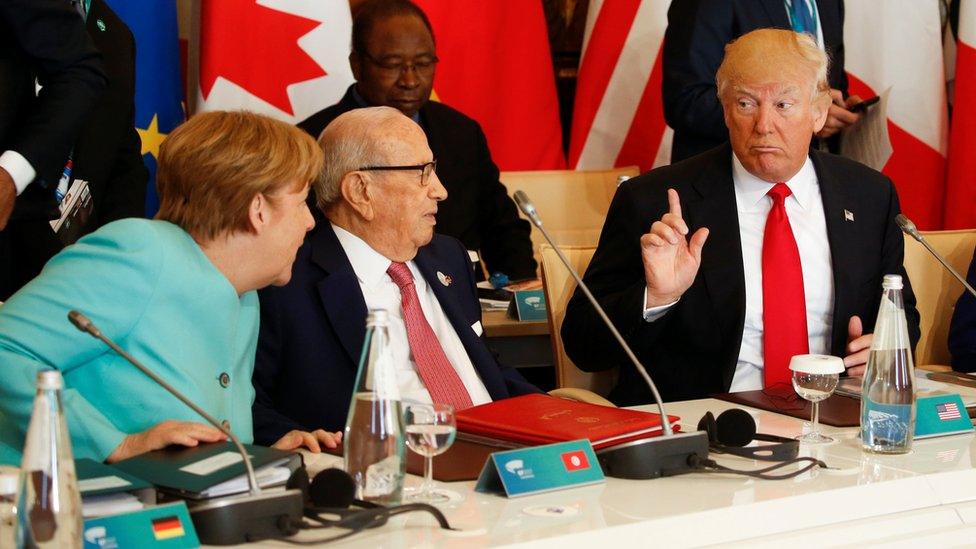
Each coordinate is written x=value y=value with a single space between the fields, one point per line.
x=751 y=190
x=369 y=265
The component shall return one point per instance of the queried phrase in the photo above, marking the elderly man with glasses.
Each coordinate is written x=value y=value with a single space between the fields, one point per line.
x=376 y=249
x=393 y=60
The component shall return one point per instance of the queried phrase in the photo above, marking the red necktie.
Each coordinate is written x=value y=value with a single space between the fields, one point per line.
x=784 y=303
x=442 y=381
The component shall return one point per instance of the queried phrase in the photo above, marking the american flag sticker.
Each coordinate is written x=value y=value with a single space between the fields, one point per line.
x=948 y=411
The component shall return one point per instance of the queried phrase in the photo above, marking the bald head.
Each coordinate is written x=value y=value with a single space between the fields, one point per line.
x=357 y=139
x=766 y=56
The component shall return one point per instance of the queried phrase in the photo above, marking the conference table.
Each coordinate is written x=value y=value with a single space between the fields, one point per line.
x=927 y=497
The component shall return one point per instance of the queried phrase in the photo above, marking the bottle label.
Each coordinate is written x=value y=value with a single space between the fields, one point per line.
x=382 y=477
x=885 y=424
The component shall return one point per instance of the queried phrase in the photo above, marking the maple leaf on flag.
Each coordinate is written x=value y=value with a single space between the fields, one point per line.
x=255 y=47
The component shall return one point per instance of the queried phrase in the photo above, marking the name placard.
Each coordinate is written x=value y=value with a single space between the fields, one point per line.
x=941 y=415
x=159 y=526
x=528 y=305
x=548 y=468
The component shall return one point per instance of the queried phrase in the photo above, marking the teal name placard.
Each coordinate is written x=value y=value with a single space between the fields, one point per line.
x=526 y=471
x=528 y=305
x=941 y=415
x=160 y=526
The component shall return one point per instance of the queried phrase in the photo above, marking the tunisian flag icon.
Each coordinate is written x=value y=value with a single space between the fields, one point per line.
x=575 y=461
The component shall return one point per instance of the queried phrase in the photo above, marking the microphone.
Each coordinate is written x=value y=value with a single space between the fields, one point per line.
x=229 y=520
x=909 y=228
x=648 y=458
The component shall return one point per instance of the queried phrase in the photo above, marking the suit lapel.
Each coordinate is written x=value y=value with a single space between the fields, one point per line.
x=341 y=296
x=714 y=207
x=776 y=11
x=841 y=234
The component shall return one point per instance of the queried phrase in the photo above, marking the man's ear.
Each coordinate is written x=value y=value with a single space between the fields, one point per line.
x=821 y=106
x=357 y=192
x=257 y=213
x=356 y=64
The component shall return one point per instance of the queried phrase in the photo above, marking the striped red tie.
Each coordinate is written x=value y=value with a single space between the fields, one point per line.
x=442 y=381
x=784 y=303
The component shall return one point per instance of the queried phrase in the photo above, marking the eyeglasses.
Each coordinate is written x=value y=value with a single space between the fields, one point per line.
x=423 y=66
x=425 y=170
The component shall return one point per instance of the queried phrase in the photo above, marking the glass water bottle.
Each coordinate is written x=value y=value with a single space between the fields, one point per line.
x=374 y=443
x=888 y=393
x=48 y=501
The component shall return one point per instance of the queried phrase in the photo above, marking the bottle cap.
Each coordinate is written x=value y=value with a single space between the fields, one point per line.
x=817 y=364
x=49 y=379
x=892 y=282
x=377 y=317
x=8 y=484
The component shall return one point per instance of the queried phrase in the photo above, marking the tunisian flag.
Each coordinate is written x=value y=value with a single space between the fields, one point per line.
x=897 y=44
x=618 y=117
x=284 y=58
x=495 y=66
x=960 y=208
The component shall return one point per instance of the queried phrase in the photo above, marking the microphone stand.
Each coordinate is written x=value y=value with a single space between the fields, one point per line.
x=667 y=455
x=909 y=228
x=229 y=520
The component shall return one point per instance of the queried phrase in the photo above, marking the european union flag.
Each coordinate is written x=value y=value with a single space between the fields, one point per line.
x=159 y=87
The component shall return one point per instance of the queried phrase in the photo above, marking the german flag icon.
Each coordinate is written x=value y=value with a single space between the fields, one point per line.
x=168 y=528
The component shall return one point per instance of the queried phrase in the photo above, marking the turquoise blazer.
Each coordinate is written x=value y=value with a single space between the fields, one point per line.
x=148 y=286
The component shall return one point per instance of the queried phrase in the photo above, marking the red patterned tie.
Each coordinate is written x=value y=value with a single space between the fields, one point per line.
x=442 y=381
x=784 y=303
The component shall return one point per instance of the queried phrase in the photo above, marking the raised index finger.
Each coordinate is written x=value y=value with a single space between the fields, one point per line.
x=674 y=203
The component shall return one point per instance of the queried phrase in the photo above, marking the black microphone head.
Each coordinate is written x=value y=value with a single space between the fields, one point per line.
x=735 y=427
x=332 y=488
x=299 y=481
x=908 y=227
x=82 y=322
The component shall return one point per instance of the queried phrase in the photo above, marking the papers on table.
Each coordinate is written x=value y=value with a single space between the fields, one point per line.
x=273 y=474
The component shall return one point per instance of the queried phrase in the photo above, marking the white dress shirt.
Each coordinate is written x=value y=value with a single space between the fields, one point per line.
x=19 y=168
x=380 y=292
x=805 y=210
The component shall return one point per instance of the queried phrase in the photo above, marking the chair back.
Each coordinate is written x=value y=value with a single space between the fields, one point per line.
x=573 y=204
x=936 y=291
x=559 y=287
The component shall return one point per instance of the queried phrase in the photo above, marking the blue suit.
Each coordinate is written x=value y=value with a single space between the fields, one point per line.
x=312 y=333
x=962 y=330
x=148 y=286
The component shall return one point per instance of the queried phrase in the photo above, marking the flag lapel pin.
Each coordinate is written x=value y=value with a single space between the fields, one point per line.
x=445 y=279
x=848 y=215
x=100 y=24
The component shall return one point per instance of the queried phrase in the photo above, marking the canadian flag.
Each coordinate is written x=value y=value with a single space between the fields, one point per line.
x=284 y=58
x=897 y=45
x=618 y=116
x=960 y=206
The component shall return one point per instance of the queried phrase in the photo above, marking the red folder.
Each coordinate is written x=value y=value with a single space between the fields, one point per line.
x=541 y=419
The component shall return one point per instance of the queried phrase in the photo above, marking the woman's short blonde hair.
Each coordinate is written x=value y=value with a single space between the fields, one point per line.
x=213 y=165
x=769 y=52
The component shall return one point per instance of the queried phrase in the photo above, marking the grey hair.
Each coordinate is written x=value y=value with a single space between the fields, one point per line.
x=354 y=140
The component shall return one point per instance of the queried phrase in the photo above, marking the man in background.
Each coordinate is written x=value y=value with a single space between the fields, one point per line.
x=393 y=61
x=694 y=45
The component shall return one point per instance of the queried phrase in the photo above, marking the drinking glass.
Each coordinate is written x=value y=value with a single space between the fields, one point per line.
x=430 y=431
x=814 y=378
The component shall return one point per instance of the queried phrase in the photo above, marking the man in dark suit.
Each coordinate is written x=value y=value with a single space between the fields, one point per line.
x=694 y=43
x=763 y=248
x=41 y=41
x=393 y=60
x=376 y=249
x=962 y=330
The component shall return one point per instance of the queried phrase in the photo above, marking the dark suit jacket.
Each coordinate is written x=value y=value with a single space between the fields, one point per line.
x=42 y=40
x=108 y=153
x=312 y=333
x=691 y=351
x=694 y=46
x=478 y=210
x=962 y=330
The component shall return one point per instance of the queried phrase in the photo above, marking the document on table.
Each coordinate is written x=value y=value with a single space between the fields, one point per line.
x=924 y=387
x=867 y=141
